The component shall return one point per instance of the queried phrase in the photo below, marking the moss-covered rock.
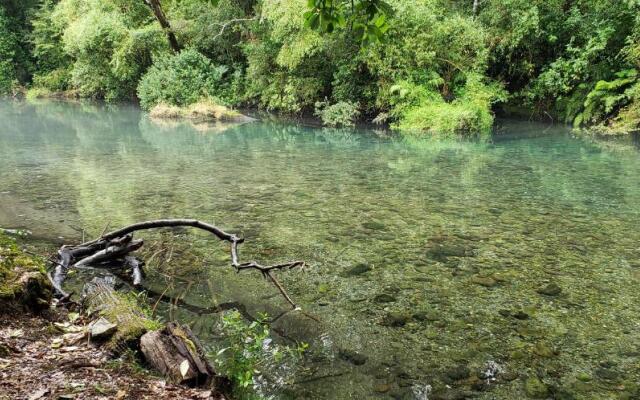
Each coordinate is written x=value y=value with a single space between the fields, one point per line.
x=23 y=279
x=535 y=388
x=131 y=316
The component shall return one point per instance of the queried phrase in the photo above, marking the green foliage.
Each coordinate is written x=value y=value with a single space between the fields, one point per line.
x=468 y=113
x=8 y=49
x=52 y=63
x=181 y=79
x=367 y=19
x=404 y=62
x=111 y=44
x=198 y=24
x=342 y=113
x=248 y=355
x=608 y=97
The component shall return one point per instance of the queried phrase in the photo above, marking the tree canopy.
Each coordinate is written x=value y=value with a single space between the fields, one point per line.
x=422 y=66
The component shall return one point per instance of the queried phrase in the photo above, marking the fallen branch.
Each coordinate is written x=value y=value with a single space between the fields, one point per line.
x=118 y=244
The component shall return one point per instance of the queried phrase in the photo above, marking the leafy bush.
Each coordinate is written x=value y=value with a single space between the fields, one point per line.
x=250 y=358
x=342 y=113
x=53 y=64
x=607 y=97
x=180 y=80
x=110 y=44
x=8 y=45
x=468 y=113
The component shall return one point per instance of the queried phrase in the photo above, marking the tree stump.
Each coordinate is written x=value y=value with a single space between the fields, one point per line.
x=177 y=354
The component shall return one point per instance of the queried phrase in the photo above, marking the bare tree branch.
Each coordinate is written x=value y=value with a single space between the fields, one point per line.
x=119 y=243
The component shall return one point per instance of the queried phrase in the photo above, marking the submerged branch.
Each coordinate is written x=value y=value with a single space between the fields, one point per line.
x=119 y=244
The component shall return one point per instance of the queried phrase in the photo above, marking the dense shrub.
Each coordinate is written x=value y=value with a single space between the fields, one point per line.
x=342 y=113
x=469 y=113
x=53 y=64
x=110 y=43
x=8 y=45
x=180 y=80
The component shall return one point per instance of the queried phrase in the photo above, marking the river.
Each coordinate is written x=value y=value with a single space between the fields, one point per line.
x=433 y=264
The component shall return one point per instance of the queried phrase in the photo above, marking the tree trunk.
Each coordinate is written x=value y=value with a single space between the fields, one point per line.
x=156 y=7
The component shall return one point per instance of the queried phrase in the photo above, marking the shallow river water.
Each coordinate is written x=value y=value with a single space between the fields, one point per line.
x=438 y=269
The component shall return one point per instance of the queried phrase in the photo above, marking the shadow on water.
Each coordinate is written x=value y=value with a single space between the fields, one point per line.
x=502 y=268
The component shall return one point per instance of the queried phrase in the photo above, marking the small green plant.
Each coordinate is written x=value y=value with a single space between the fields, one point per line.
x=342 y=113
x=250 y=358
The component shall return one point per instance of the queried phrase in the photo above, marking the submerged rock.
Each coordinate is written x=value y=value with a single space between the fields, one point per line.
x=441 y=252
x=535 y=388
x=521 y=315
x=352 y=356
x=485 y=281
x=458 y=373
x=384 y=298
x=382 y=388
x=607 y=374
x=374 y=226
x=359 y=269
x=551 y=289
x=396 y=319
x=426 y=316
x=543 y=350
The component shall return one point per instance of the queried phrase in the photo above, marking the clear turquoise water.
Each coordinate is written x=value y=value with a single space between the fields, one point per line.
x=426 y=257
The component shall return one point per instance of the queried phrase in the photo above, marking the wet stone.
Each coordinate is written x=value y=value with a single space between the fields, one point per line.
x=583 y=376
x=451 y=394
x=551 y=289
x=509 y=376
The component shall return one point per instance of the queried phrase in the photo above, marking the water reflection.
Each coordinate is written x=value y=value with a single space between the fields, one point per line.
x=430 y=259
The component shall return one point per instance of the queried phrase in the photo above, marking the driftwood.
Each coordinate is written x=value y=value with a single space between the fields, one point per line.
x=117 y=245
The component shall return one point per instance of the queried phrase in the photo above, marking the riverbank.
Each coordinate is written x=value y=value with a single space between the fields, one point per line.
x=50 y=353
x=38 y=361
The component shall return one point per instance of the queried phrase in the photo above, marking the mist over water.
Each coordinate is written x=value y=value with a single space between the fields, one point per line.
x=502 y=268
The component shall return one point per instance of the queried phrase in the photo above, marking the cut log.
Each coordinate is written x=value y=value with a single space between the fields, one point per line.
x=176 y=353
